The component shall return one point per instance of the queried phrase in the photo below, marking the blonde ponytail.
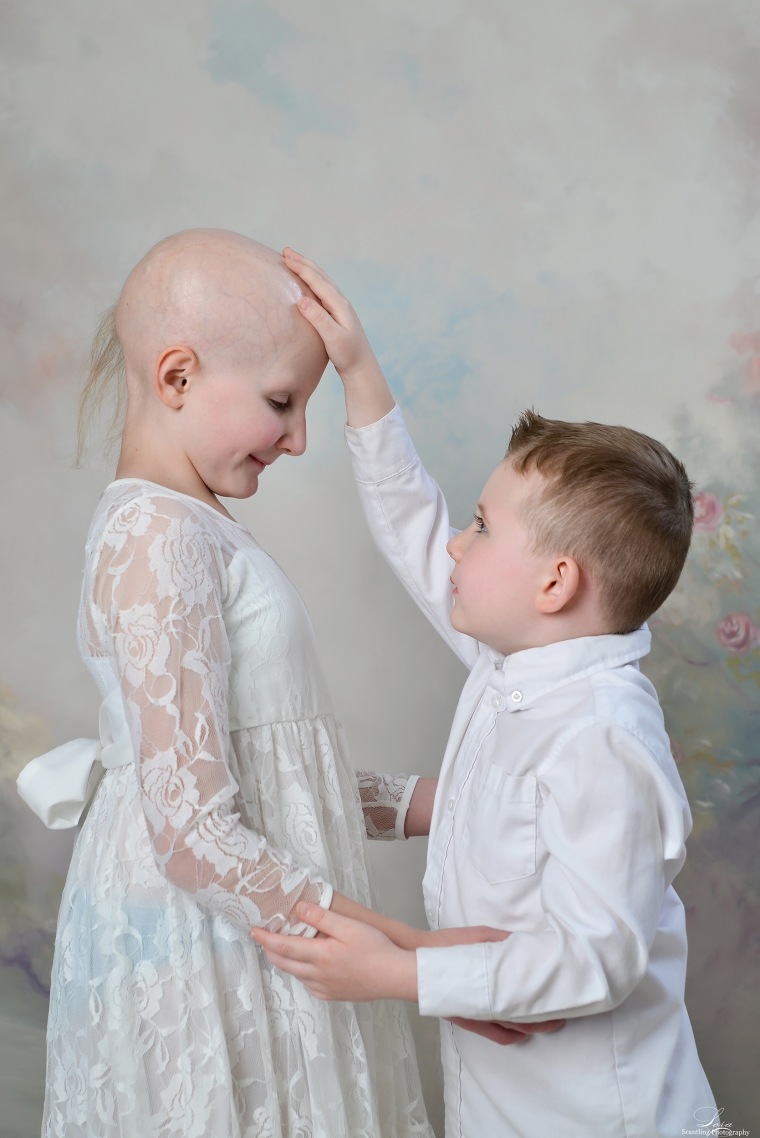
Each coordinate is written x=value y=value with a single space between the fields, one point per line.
x=105 y=386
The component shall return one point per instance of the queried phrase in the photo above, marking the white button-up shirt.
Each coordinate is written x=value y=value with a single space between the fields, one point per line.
x=559 y=816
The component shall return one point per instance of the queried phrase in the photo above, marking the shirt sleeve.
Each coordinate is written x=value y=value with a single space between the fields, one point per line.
x=385 y=802
x=159 y=586
x=614 y=828
x=409 y=520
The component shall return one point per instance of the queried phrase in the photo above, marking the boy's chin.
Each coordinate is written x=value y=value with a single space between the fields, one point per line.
x=457 y=623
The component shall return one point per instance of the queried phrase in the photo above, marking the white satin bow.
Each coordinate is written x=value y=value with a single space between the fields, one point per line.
x=58 y=785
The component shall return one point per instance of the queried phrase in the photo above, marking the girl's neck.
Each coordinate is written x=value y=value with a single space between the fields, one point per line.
x=135 y=463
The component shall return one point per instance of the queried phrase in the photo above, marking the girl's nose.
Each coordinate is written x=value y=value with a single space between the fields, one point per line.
x=293 y=442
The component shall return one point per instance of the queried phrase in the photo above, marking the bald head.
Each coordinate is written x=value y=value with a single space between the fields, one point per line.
x=219 y=293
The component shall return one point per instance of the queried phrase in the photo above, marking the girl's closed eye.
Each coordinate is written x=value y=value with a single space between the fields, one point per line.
x=279 y=404
x=480 y=525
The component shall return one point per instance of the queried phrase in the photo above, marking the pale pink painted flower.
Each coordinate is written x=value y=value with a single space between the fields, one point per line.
x=747 y=347
x=708 y=512
x=746 y=343
x=737 y=632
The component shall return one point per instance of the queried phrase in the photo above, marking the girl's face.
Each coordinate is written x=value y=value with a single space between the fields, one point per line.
x=245 y=411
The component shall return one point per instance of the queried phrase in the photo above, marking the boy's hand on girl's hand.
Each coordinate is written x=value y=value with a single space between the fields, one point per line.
x=347 y=960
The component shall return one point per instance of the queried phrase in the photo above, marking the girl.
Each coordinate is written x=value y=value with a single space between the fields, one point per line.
x=227 y=796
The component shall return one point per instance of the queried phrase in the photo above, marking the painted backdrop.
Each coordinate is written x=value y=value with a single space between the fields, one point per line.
x=550 y=204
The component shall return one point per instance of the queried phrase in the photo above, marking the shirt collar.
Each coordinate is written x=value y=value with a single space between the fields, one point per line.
x=534 y=672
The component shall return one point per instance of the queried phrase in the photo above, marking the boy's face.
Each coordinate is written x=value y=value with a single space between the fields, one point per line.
x=497 y=578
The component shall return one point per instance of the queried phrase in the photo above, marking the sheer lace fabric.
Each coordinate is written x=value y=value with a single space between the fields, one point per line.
x=385 y=800
x=165 y=1019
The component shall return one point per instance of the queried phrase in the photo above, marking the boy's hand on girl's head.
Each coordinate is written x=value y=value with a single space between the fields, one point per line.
x=368 y=397
x=334 y=318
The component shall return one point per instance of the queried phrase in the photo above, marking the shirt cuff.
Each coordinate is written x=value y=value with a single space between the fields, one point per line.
x=381 y=450
x=403 y=806
x=453 y=982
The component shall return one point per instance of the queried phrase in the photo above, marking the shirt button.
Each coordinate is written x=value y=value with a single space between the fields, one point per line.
x=516 y=697
x=496 y=701
x=450 y=805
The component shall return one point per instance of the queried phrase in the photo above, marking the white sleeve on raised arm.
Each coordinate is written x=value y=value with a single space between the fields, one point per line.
x=409 y=520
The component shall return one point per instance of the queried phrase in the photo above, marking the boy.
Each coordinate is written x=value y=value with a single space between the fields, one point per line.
x=559 y=813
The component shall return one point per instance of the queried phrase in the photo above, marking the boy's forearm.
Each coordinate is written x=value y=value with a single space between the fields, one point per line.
x=403 y=935
x=368 y=396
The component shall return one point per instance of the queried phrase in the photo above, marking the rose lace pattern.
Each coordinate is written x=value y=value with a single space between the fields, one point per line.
x=384 y=801
x=166 y=1021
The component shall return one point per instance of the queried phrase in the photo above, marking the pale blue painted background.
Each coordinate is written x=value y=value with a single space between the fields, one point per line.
x=550 y=203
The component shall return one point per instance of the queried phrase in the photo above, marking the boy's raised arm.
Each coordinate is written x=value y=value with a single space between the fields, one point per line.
x=368 y=396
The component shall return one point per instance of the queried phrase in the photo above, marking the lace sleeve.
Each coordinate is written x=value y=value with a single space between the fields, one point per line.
x=159 y=585
x=385 y=800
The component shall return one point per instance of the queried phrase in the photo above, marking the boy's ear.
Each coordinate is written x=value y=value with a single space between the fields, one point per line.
x=175 y=369
x=559 y=586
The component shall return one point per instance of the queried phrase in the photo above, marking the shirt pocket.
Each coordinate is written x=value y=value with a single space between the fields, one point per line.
x=500 y=830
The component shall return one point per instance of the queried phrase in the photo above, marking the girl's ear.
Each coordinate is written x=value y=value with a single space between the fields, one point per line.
x=175 y=370
x=559 y=586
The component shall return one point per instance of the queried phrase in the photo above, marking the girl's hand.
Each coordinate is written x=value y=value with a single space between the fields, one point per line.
x=348 y=960
x=504 y=1032
x=368 y=397
x=501 y=1032
x=470 y=934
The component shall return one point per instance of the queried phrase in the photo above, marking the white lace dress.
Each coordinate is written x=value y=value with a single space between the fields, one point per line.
x=165 y=1018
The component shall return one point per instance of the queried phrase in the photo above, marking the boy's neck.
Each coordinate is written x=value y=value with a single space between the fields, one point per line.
x=545 y=636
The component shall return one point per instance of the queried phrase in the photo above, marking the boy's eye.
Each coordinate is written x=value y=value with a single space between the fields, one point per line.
x=279 y=405
x=480 y=525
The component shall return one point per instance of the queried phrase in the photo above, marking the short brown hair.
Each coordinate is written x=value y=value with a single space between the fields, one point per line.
x=616 y=501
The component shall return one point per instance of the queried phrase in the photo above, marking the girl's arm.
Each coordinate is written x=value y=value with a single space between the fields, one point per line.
x=396 y=806
x=160 y=581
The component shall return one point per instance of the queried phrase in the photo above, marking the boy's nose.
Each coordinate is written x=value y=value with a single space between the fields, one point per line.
x=454 y=547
